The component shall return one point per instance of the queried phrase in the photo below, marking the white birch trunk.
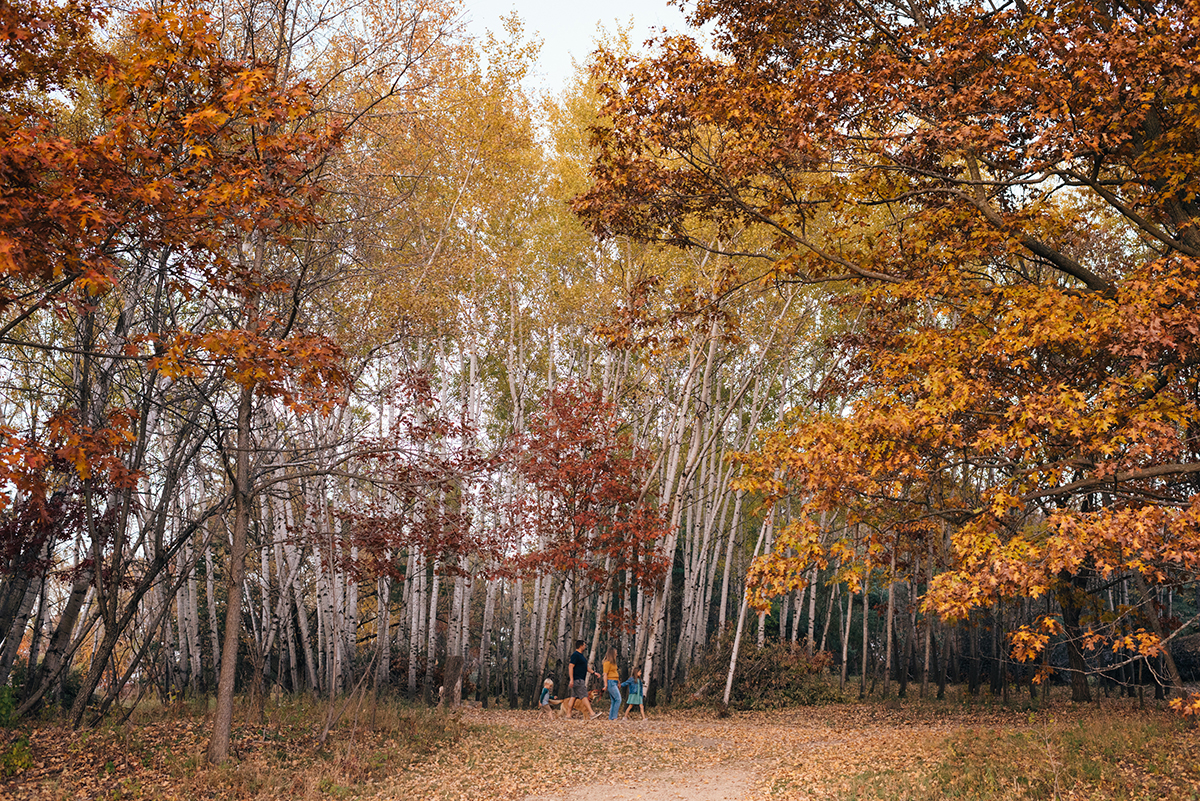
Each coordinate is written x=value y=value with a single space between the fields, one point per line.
x=517 y=609
x=485 y=643
x=211 y=601
x=431 y=634
x=737 y=637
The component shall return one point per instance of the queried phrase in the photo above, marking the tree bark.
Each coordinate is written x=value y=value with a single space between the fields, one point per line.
x=218 y=746
x=1069 y=591
x=485 y=644
x=737 y=636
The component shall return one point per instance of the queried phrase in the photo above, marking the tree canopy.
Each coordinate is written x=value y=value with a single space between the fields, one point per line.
x=1004 y=198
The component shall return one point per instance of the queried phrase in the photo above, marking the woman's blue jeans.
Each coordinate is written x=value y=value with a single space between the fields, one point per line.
x=614 y=693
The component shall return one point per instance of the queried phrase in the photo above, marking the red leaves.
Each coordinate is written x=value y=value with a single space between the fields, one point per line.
x=33 y=521
x=583 y=512
x=95 y=452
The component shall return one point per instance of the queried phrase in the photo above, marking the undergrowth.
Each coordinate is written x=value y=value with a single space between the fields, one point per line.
x=774 y=676
x=160 y=752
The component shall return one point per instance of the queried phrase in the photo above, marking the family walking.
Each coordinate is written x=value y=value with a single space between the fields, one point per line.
x=577 y=676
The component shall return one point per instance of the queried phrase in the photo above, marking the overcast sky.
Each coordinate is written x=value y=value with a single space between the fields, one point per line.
x=568 y=28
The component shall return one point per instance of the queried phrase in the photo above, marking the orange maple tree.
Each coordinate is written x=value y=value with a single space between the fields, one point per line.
x=162 y=150
x=1004 y=196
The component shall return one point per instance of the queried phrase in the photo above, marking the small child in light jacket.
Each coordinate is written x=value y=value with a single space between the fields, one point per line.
x=634 y=685
x=547 y=701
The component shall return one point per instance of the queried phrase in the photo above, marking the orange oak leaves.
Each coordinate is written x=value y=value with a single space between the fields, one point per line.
x=1003 y=201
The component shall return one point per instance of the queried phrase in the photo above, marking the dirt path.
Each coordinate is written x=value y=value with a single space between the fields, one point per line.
x=711 y=784
x=784 y=755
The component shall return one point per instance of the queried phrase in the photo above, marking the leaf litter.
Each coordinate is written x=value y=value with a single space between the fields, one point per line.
x=806 y=754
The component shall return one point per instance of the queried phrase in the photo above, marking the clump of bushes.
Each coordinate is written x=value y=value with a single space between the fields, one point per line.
x=772 y=677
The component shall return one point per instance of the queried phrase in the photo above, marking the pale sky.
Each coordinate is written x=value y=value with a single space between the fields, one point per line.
x=568 y=29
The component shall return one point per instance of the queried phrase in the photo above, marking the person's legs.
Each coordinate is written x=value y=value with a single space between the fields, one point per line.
x=579 y=699
x=614 y=695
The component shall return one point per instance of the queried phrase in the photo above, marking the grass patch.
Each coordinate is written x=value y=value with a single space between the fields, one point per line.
x=1126 y=756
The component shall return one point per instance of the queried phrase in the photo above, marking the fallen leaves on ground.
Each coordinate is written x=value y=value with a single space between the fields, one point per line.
x=831 y=752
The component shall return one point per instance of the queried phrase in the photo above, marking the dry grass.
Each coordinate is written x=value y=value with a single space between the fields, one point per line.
x=1112 y=753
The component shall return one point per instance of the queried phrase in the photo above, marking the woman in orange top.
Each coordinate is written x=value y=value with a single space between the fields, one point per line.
x=612 y=682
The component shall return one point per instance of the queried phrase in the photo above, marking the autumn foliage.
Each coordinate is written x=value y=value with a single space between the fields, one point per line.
x=1004 y=201
x=582 y=509
x=163 y=153
x=878 y=318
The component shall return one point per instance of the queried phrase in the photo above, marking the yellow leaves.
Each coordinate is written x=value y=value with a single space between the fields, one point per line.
x=1187 y=707
x=302 y=370
x=1027 y=643
x=1140 y=642
x=94 y=283
x=204 y=121
x=175 y=362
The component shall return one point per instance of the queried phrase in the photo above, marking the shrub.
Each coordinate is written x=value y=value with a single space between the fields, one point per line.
x=15 y=756
x=774 y=676
x=8 y=707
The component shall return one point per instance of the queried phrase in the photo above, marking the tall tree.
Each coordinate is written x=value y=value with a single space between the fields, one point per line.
x=1006 y=196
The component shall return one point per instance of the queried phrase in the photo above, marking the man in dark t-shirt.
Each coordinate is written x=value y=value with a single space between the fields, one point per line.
x=577 y=672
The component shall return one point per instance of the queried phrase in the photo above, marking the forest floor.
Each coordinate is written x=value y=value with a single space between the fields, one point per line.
x=895 y=750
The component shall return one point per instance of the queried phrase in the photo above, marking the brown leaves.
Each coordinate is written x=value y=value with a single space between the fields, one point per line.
x=585 y=505
x=825 y=752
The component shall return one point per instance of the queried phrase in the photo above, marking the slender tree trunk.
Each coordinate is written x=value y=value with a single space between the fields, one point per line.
x=485 y=645
x=210 y=599
x=928 y=621
x=812 y=612
x=193 y=623
x=383 y=630
x=1071 y=589
x=829 y=606
x=517 y=608
x=891 y=615
x=866 y=616
x=737 y=636
x=431 y=643
x=734 y=526
x=416 y=606
x=39 y=622
x=1151 y=617
x=218 y=746
x=47 y=674
x=910 y=638
x=541 y=646
x=846 y=639
x=16 y=630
